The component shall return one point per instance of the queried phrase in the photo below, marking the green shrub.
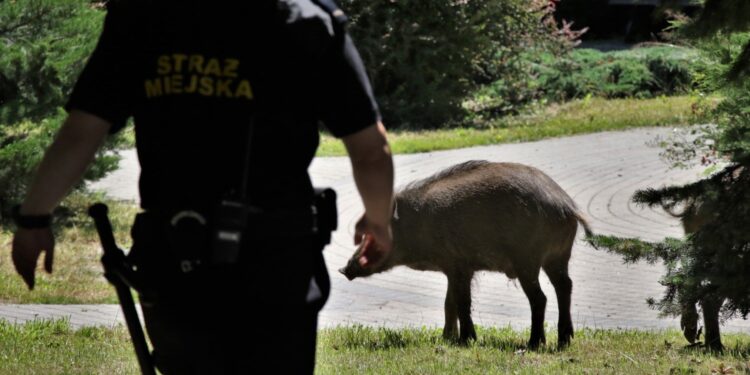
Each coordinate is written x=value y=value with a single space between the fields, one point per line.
x=639 y=73
x=624 y=78
x=21 y=149
x=425 y=56
x=44 y=45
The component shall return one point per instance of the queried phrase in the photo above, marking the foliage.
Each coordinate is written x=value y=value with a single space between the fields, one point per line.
x=640 y=73
x=44 y=45
x=725 y=17
x=643 y=72
x=424 y=57
x=713 y=262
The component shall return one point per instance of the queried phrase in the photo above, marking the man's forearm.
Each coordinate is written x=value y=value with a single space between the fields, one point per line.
x=64 y=162
x=374 y=179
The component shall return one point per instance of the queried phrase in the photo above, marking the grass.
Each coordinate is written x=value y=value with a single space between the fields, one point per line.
x=78 y=274
x=53 y=347
x=501 y=351
x=576 y=117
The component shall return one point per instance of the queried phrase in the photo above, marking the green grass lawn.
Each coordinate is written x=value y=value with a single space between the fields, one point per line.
x=576 y=117
x=501 y=351
x=54 y=348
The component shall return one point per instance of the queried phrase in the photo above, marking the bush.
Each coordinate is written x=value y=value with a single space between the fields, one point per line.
x=21 y=149
x=425 y=56
x=43 y=47
x=640 y=73
x=44 y=44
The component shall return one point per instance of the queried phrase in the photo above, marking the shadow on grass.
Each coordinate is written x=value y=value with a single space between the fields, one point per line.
x=736 y=350
x=505 y=344
x=368 y=338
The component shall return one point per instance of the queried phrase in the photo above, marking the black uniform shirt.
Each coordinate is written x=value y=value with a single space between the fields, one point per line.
x=194 y=74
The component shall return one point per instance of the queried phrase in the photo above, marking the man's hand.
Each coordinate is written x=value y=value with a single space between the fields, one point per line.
x=372 y=165
x=64 y=163
x=378 y=241
x=28 y=244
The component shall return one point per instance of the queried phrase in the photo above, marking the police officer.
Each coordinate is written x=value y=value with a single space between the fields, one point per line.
x=227 y=98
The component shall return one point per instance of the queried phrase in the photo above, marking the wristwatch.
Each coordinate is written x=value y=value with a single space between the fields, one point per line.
x=30 y=221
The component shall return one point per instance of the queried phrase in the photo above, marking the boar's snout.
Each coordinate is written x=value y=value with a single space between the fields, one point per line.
x=346 y=272
x=353 y=269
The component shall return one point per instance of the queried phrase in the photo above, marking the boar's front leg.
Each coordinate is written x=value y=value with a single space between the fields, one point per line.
x=529 y=278
x=458 y=307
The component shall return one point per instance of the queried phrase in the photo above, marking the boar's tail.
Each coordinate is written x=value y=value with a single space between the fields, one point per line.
x=586 y=227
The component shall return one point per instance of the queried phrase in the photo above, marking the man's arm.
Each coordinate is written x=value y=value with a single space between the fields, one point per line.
x=372 y=166
x=64 y=163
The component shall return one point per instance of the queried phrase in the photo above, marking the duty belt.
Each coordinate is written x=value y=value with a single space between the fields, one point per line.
x=317 y=219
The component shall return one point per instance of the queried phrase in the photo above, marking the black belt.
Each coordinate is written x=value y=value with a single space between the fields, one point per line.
x=196 y=237
x=318 y=218
x=260 y=223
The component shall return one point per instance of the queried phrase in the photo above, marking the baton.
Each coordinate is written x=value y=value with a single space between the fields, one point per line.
x=120 y=276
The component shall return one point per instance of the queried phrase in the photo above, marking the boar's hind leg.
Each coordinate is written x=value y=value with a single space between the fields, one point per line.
x=557 y=271
x=529 y=278
x=458 y=307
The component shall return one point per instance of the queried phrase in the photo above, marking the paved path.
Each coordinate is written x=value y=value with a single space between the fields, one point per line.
x=600 y=171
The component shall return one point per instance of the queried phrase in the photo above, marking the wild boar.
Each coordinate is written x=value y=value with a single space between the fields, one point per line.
x=477 y=216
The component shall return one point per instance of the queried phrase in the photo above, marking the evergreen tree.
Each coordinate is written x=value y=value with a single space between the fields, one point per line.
x=711 y=266
x=44 y=45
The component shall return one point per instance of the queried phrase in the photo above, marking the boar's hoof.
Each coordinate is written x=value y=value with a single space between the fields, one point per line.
x=689 y=323
x=563 y=341
x=535 y=342
x=466 y=337
x=448 y=336
x=564 y=335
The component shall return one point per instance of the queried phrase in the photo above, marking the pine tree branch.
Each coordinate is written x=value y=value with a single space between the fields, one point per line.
x=670 y=196
x=634 y=250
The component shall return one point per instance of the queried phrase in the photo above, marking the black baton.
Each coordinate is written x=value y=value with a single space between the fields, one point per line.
x=120 y=276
